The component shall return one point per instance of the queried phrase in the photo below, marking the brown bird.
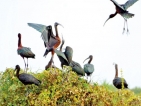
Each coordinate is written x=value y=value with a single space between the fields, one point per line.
x=122 y=10
x=51 y=41
x=24 y=52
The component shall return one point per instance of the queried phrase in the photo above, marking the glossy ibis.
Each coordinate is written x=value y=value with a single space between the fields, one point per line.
x=117 y=81
x=122 y=10
x=24 y=52
x=51 y=41
x=25 y=78
x=89 y=68
x=76 y=67
x=66 y=59
x=61 y=55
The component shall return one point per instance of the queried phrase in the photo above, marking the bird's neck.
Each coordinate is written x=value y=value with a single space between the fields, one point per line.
x=19 y=42
x=90 y=60
x=62 y=45
x=113 y=15
x=116 y=69
x=56 y=30
x=17 y=72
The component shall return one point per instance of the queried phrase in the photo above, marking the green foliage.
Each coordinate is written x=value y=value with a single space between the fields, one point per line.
x=61 y=88
x=137 y=90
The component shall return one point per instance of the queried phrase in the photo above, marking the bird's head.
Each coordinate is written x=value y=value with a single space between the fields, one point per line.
x=90 y=57
x=19 y=35
x=49 y=27
x=110 y=16
x=56 y=24
x=17 y=67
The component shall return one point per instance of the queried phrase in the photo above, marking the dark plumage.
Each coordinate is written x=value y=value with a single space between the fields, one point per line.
x=61 y=55
x=89 y=68
x=122 y=10
x=117 y=81
x=76 y=67
x=24 y=52
x=26 y=78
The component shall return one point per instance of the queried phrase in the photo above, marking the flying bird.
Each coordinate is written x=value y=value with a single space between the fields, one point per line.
x=25 y=78
x=122 y=10
x=24 y=52
x=89 y=68
x=117 y=81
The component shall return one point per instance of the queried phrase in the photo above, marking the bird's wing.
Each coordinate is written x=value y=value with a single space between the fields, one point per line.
x=52 y=41
x=69 y=53
x=25 y=51
x=76 y=67
x=89 y=68
x=27 y=78
x=38 y=27
x=129 y=3
x=61 y=54
x=44 y=36
x=41 y=28
x=116 y=4
x=127 y=15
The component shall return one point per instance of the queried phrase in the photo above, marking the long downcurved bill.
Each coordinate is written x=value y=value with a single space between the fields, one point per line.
x=61 y=25
x=106 y=21
x=56 y=23
x=85 y=59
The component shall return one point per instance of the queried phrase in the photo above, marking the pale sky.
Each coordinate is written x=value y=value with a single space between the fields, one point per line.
x=83 y=31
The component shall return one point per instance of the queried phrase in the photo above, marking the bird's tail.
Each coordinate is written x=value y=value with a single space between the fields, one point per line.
x=127 y=15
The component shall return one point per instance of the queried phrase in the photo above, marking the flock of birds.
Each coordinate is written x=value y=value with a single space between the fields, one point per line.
x=52 y=42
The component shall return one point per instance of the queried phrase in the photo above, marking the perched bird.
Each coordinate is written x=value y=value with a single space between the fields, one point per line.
x=26 y=78
x=117 y=81
x=24 y=52
x=76 y=67
x=62 y=55
x=51 y=41
x=122 y=10
x=89 y=68
x=66 y=59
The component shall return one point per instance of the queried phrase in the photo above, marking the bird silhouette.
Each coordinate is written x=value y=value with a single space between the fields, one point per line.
x=25 y=78
x=122 y=10
x=51 y=41
x=89 y=68
x=117 y=81
x=24 y=52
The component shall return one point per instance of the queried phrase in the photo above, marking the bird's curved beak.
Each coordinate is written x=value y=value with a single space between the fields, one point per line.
x=85 y=59
x=106 y=21
x=61 y=25
x=56 y=23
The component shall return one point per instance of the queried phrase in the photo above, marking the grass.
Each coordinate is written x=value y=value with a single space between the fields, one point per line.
x=63 y=88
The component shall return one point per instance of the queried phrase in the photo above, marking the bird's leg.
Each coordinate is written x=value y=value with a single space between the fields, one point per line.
x=90 y=78
x=127 y=26
x=27 y=65
x=124 y=26
x=24 y=63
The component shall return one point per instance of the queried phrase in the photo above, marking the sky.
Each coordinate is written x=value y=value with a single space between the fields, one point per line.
x=83 y=31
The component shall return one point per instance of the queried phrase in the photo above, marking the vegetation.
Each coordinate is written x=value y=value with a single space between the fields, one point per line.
x=62 y=88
